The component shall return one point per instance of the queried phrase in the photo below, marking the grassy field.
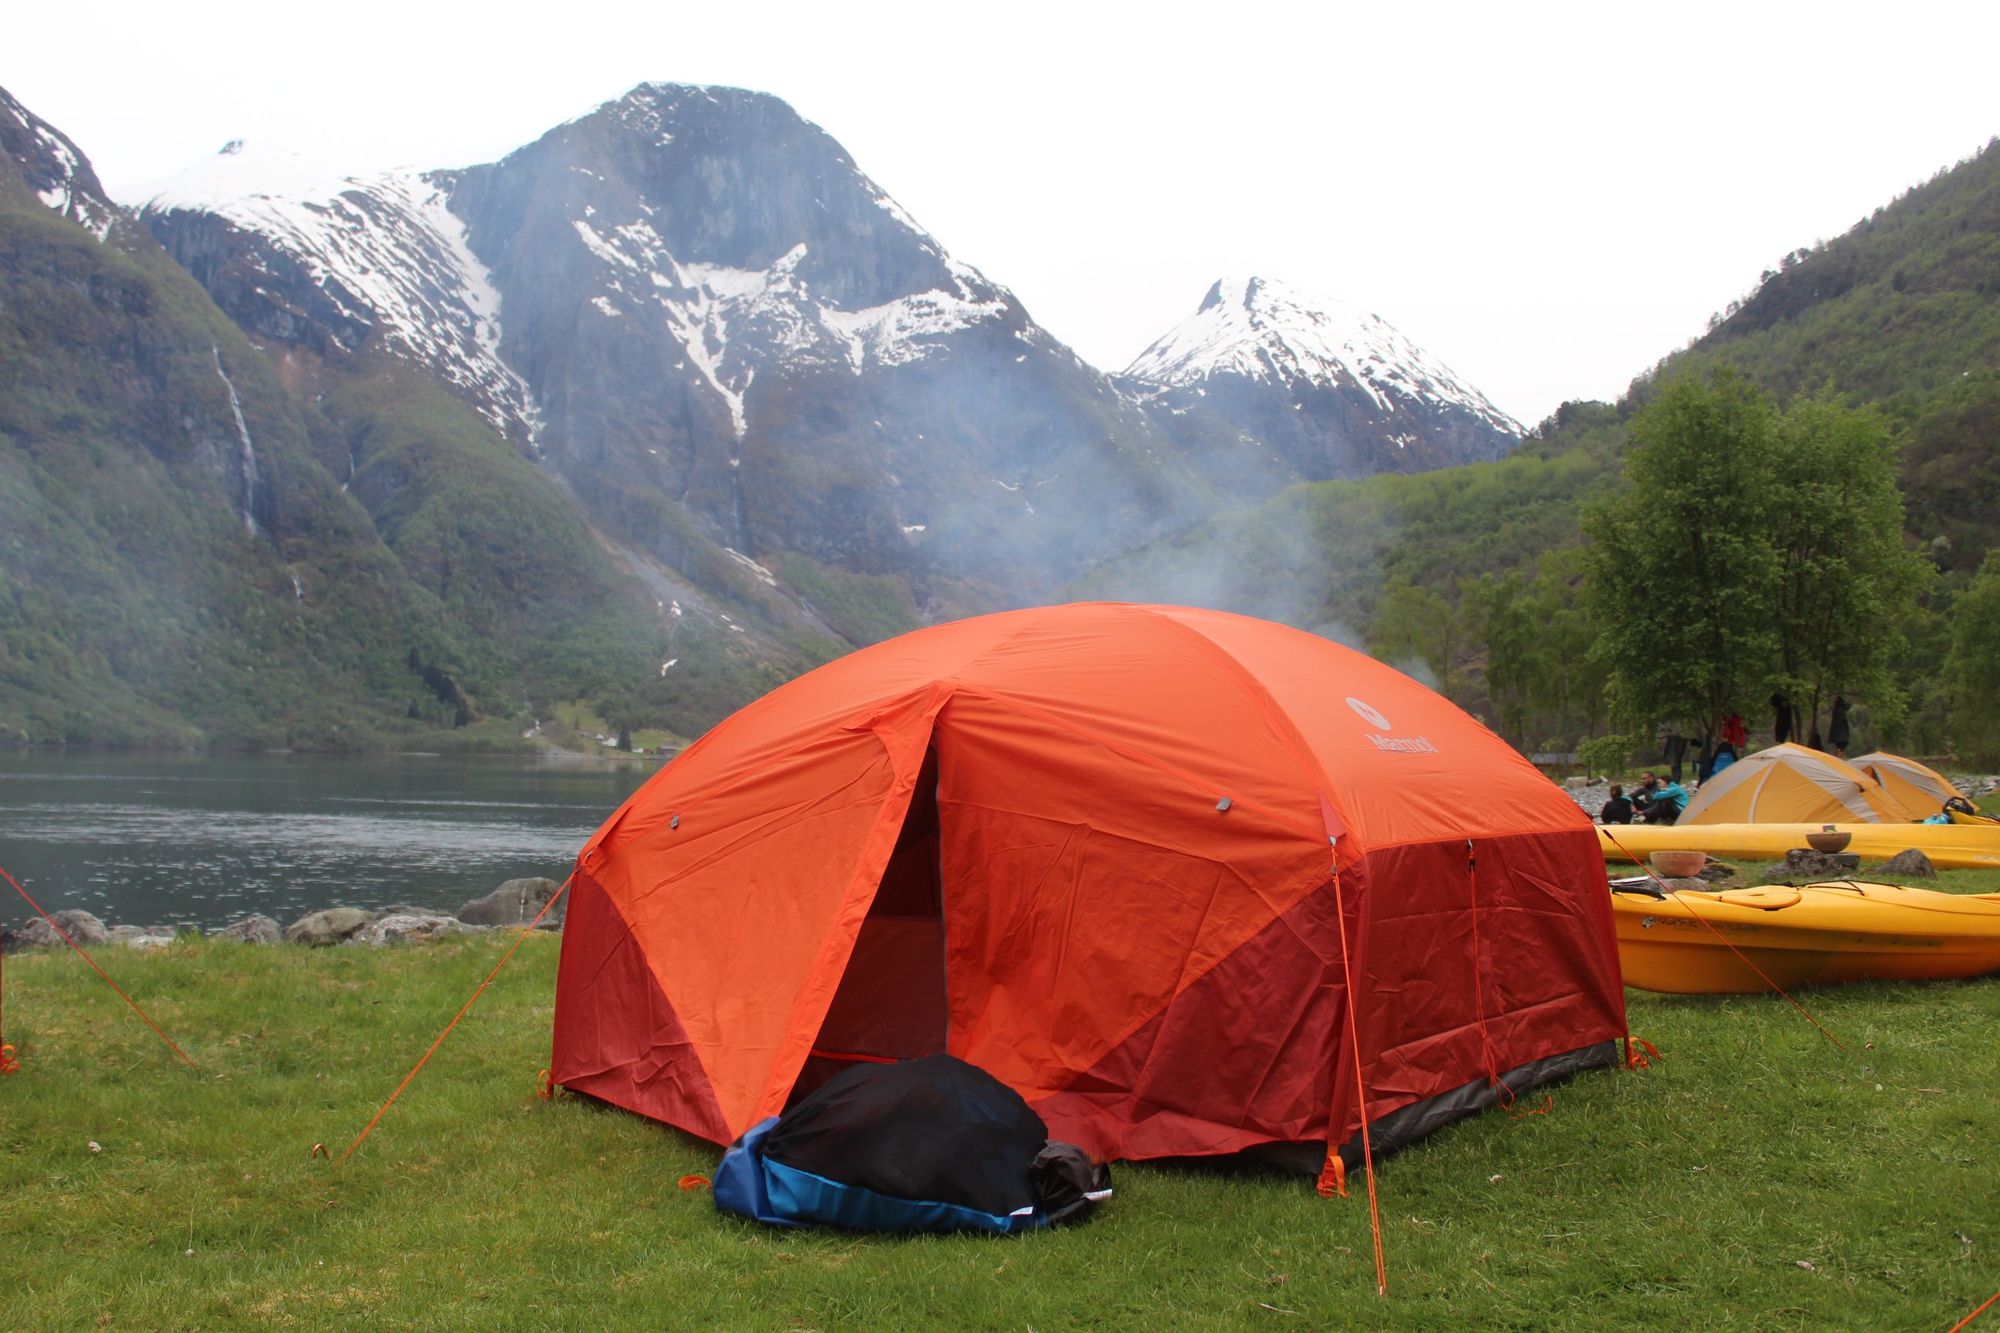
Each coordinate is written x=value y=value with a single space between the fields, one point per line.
x=1755 y=1177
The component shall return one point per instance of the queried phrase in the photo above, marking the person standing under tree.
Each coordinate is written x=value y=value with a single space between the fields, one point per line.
x=1836 y=733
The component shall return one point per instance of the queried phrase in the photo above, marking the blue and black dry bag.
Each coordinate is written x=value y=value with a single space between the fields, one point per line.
x=933 y=1144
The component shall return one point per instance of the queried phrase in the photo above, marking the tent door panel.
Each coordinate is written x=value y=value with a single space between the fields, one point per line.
x=891 y=1001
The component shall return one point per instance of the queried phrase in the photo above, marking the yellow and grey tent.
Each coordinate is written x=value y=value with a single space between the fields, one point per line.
x=1790 y=784
x=1920 y=790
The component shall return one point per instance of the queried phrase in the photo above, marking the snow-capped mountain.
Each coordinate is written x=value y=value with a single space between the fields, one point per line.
x=54 y=168
x=691 y=301
x=296 y=252
x=1330 y=390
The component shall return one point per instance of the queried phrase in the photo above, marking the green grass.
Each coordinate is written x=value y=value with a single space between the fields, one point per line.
x=1754 y=1177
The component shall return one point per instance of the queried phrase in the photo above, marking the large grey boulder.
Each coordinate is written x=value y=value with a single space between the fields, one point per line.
x=253 y=929
x=513 y=904
x=83 y=927
x=79 y=925
x=1909 y=862
x=407 y=928
x=328 y=927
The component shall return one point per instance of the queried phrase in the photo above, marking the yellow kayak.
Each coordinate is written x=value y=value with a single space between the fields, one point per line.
x=1949 y=846
x=1815 y=935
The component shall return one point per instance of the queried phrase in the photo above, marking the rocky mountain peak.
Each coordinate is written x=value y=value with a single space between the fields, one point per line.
x=54 y=167
x=738 y=179
x=1334 y=389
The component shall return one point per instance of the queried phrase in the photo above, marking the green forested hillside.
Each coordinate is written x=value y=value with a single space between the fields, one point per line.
x=138 y=607
x=403 y=577
x=1904 y=311
x=1902 y=306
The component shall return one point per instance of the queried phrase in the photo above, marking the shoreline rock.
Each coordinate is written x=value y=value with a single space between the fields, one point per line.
x=513 y=904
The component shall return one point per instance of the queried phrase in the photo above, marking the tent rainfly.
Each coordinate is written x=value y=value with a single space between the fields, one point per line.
x=1918 y=789
x=1792 y=784
x=1191 y=883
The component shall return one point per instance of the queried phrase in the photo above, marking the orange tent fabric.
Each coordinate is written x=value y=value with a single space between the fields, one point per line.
x=1093 y=849
x=1918 y=788
x=1793 y=784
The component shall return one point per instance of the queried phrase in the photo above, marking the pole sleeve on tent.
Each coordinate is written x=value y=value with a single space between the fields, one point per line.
x=1504 y=1094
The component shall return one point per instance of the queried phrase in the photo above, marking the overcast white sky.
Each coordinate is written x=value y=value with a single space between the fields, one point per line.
x=1547 y=197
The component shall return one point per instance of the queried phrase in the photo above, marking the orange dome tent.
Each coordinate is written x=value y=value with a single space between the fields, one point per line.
x=1092 y=849
x=1918 y=789
x=1792 y=784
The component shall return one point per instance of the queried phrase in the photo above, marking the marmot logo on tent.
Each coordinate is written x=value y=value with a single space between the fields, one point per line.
x=1372 y=715
x=1368 y=713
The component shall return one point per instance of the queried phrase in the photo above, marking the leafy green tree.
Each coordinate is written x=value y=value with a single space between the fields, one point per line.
x=1420 y=624
x=1684 y=574
x=1845 y=575
x=1515 y=658
x=1570 y=688
x=1923 y=725
x=1974 y=667
x=1607 y=755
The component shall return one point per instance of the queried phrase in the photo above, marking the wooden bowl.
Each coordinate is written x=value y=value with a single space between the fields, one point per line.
x=1678 y=865
x=1829 y=842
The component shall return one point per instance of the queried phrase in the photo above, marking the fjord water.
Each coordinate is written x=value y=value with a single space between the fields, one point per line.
x=194 y=840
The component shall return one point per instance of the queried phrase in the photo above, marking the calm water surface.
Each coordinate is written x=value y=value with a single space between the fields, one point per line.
x=200 y=840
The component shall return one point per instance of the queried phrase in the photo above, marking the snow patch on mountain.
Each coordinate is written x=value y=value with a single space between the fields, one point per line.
x=58 y=173
x=709 y=305
x=1261 y=330
x=385 y=249
x=907 y=328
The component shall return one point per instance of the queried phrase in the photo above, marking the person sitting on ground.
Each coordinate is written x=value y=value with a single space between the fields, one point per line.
x=1642 y=795
x=1669 y=799
x=1617 y=810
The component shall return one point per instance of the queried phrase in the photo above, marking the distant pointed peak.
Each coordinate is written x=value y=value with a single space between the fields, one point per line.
x=1261 y=328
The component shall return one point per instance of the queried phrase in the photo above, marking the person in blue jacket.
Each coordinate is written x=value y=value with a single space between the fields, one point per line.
x=1664 y=803
x=1725 y=755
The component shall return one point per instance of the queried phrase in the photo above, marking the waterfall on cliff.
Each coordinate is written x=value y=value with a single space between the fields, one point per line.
x=243 y=436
